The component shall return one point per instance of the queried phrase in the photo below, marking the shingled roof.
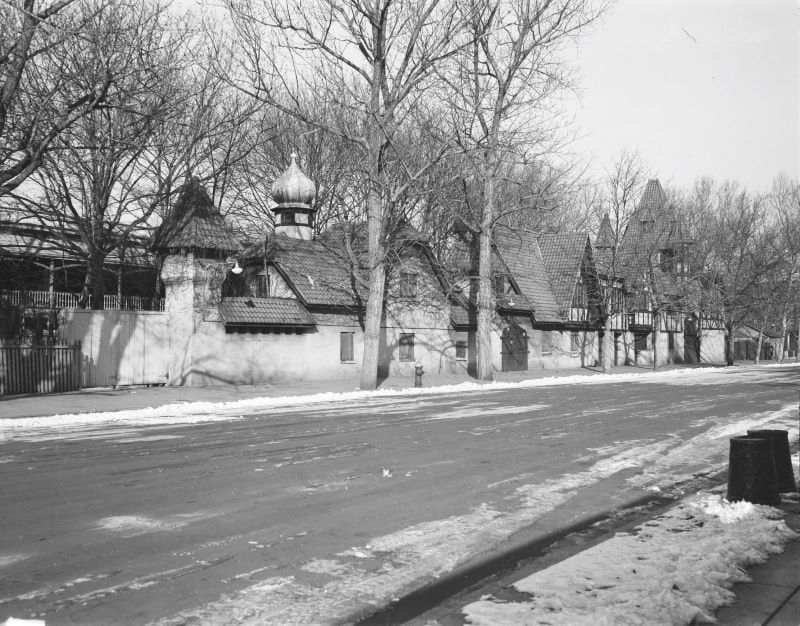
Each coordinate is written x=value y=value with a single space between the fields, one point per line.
x=563 y=254
x=318 y=273
x=194 y=224
x=264 y=312
x=522 y=256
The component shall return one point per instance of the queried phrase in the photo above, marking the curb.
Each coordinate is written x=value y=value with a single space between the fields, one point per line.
x=526 y=543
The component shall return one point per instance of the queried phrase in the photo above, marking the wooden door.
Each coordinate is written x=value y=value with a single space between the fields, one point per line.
x=515 y=349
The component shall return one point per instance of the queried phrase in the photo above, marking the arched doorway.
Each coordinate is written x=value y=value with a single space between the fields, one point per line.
x=515 y=349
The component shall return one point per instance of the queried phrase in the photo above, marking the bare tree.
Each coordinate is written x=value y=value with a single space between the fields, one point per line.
x=106 y=176
x=784 y=201
x=734 y=254
x=621 y=191
x=43 y=91
x=370 y=61
x=502 y=85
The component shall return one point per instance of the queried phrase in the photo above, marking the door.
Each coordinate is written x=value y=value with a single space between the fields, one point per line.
x=515 y=349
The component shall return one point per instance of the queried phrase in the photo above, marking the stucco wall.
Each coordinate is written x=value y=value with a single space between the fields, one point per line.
x=712 y=346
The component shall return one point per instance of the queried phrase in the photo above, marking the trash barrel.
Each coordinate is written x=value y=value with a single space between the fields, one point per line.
x=782 y=456
x=751 y=471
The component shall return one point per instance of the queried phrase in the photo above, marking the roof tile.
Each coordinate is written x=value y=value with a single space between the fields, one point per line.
x=264 y=312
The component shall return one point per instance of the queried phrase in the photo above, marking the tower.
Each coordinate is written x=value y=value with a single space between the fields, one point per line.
x=293 y=193
x=196 y=247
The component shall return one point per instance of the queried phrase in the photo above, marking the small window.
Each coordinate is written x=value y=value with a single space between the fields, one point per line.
x=407 y=346
x=550 y=341
x=461 y=350
x=301 y=218
x=575 y=341
x=262 y=285
x=346 y=347
x=671 y=341
x=640 y=342
x=408 y=285
x=285 y=218
x=502 y=284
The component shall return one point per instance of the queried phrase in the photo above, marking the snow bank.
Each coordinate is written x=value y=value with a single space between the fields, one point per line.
x=674 y=569
x=193 y=412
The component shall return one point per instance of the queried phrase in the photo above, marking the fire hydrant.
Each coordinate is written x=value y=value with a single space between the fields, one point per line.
x=418 y=372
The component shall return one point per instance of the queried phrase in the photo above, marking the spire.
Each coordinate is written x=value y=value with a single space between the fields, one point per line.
x=605 y=236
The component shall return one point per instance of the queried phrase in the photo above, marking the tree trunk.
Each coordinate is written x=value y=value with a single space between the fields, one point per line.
x=759 y=345
x=377 y=284
x=782 y=347
x=485 y=309
x=608 y=347
x=94 y=290
x=485 y=295
x=729 y=343
x=656 y=334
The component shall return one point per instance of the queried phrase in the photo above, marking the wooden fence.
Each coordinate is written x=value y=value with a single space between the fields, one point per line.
x=119 y=347
x=63 y=300
x=39 y=369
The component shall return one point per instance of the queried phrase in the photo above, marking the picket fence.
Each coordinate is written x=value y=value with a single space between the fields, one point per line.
x=40 y=369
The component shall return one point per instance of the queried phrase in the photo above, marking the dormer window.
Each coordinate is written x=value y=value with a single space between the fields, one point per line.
x=262 y=285
x=408 y=285
x=502 y=284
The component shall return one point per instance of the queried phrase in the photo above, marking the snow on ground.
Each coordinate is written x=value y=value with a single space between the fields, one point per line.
x=675 y=569
x=430 y=549
x=196 y=412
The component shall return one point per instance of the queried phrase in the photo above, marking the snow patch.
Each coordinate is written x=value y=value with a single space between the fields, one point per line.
x=8 y=559
x=197 y=412
x=675 y=569
x=138 y=524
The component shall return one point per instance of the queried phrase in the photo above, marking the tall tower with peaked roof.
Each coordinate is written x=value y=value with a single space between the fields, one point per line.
x=293 y=193
x=196 y=247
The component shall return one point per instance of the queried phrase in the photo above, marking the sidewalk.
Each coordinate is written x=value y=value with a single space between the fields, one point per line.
x=773 y=596
x=101 y=399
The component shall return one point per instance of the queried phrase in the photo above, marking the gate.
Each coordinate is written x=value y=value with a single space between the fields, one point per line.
x=119 y=347
x=39 y=369
x=515 y=349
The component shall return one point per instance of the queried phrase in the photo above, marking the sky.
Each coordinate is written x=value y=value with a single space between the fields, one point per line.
x=698 y=87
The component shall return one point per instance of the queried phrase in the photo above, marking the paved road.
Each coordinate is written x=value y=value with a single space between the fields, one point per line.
x=311 y=514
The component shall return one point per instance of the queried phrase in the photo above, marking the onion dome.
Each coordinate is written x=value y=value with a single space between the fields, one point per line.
x=293 y=188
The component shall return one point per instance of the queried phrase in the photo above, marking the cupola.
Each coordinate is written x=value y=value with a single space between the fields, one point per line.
x=293 y=193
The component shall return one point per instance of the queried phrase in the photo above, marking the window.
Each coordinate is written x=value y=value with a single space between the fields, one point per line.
x=671 y=341
x=575 y=341
x=346 y=347
x=667 y=260
x=502 y=284
x=301 y=218
x=640 y=342
x=461 y=350
x=408 y=285
x=285 y=218
x=550 y=341
x=262 y=285
x=406 y=346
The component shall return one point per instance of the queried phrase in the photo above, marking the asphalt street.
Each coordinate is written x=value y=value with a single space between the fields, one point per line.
x=122 y=524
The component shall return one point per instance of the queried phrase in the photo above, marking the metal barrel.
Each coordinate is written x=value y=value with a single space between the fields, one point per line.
x=751 y=471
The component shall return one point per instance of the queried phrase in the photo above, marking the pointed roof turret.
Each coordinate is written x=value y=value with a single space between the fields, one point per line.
x=605 y=236
x=194 y=224
x=652 y=202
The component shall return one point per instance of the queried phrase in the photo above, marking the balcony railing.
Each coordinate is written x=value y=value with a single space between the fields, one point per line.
x=67 y=300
